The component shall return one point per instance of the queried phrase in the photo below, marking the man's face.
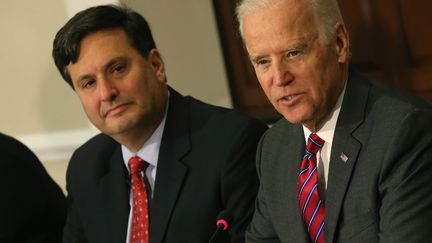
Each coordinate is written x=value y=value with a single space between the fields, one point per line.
x=301 y=76
x=121 y=92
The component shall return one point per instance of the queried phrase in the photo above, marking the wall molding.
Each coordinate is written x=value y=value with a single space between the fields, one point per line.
x=57 y=145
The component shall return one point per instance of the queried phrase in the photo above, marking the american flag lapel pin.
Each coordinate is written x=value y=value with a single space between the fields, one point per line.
x=343 y=157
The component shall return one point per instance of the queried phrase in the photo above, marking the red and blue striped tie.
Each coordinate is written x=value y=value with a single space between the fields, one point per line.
x=311 y=206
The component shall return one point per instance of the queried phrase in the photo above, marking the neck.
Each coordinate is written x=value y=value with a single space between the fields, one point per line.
x=316 y=124
x=134 y=139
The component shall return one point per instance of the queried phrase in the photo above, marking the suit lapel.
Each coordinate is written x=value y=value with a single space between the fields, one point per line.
x=170 y=170
x=114 y=199
x=345 y=150
x=298 y=146
x=283 y=173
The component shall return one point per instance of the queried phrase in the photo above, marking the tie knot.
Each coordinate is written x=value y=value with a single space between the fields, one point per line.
x=315 y=143
x=136 y=165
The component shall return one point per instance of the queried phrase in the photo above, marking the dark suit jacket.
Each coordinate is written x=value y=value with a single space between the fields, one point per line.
x=205 y=166
x=32 y=205
x=382 y=193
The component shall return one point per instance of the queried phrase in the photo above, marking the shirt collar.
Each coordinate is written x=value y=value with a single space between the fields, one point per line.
x=327 y=131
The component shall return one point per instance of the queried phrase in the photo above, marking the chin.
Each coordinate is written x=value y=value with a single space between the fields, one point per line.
x=115 y=129
x=294 y=118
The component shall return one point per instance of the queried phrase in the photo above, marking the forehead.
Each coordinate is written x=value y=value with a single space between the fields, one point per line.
x=278 y=24
x=104 y=41
x=99 y=49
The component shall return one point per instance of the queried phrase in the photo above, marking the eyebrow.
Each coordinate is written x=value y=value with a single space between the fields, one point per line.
x=255 y=59
x=105 y=67
x=300 y=45
x=82 y=78
x=113 y=61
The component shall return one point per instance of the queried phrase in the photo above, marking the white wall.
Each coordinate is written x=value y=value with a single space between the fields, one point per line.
x=186 y=34
x=33 y=97
x=43 y=112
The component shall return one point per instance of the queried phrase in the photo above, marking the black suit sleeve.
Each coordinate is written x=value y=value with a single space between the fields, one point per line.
x=239 y=180
x=32 y=207
x=73 y=232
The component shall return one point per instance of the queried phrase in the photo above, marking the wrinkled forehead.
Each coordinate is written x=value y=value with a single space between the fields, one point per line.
x=291 y=12
x=283 y=18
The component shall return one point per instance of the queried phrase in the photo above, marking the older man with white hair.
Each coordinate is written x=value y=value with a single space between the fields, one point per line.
x=351 y=159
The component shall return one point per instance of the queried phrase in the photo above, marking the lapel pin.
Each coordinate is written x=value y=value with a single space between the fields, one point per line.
x=343 y=157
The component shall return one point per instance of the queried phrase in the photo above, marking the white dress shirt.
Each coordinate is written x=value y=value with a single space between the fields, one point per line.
x=323 y=156
x=150 y=153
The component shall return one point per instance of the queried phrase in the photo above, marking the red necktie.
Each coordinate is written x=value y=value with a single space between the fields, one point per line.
x=140 y=220
x=311 y=206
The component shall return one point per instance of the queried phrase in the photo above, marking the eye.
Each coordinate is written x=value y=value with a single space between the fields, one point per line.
x=118 y=69
x=261 y=62
x=88 y=83
x=293 y=53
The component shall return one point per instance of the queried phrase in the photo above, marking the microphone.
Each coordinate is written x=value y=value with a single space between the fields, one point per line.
x=223 y=221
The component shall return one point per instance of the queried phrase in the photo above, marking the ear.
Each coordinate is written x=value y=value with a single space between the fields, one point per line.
x=342 y=43
x=157 y=64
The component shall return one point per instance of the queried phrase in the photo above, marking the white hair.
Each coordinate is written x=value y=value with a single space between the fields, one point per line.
x=326 y=12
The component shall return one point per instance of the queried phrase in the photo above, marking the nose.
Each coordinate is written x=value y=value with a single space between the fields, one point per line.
x=281 y=74
x=107 y=90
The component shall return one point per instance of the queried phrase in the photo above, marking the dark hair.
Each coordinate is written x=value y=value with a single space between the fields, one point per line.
x=68 y=38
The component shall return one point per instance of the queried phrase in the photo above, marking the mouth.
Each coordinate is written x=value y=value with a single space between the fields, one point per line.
x=289 y=99
x=115 y=110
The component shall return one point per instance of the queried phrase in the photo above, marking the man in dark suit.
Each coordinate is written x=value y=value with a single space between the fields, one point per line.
x=200 y=156
x=32 y=207
x=367 y=173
